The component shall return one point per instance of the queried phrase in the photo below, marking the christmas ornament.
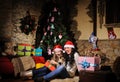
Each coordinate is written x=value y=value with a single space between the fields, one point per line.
x=52 y=26
x=52 y=19
x=45 y=33
x=50 y=14
x=49 y=51
x=55 y=40
x=60 y=36
x=58 y=13
x=48 y=28
x=51 y=33
x=55 y=9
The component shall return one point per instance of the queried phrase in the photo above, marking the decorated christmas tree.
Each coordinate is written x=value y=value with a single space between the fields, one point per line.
x=51 y=30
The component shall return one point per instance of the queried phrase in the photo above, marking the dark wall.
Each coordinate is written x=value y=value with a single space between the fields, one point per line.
x=5 y=16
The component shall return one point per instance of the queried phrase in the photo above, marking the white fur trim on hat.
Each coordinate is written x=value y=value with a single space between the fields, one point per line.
x=57 y=49
x=70 y=46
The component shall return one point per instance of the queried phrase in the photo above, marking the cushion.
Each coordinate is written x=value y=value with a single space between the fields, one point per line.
x=6 y=67
x=5 y=59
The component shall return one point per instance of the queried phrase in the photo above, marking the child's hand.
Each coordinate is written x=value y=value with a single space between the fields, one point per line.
x=53 y=62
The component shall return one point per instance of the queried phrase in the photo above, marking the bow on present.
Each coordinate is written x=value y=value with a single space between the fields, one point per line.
x=86 y=64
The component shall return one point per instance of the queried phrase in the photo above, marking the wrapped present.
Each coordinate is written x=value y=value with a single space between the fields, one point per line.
x=39 y=65
x=24 y=49
x=50 y=66
x=33 y=51
x=39 y=59
x=38 y=52
x=88 y=63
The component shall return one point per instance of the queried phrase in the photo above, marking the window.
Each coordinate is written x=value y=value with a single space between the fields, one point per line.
x=112 y=12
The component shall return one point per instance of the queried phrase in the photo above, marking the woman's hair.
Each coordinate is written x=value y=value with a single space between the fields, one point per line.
x=70 y=57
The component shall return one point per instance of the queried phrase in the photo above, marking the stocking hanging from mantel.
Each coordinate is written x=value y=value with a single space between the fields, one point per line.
x=111 y=34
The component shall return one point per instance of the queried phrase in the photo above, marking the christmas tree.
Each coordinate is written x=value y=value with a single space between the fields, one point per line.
x=51 y=30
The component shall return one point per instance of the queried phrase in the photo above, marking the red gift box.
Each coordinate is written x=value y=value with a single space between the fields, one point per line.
x=88 y=63
x=50 y=66
x=39 y=59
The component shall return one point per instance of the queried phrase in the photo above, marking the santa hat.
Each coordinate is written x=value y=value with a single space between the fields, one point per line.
x=57 y=48
x=69 y=44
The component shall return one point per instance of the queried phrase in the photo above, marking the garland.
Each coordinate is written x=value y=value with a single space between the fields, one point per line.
x=27 y=23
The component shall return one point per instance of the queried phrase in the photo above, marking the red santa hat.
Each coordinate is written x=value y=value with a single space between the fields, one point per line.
x=57 y=48
x=69 y=44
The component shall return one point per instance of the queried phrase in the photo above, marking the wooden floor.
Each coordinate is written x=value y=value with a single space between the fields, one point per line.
x=75 y=79
x=15 y=80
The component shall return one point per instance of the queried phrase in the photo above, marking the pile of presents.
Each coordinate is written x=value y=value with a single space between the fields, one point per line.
x=26 y=58
x=28 y=50
x=36 y=53
x=84 y=62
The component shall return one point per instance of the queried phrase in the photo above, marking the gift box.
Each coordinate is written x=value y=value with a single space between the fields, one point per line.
x=88 y=63
x=33 y=51
x=39 y=59
x=24 y=49
x=50 y=66
x=38 y=52
x=39 y=65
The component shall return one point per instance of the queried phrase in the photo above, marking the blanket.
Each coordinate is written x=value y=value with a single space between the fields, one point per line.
x=22 y=64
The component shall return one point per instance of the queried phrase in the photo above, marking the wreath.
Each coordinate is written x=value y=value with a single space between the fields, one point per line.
x=27 y=23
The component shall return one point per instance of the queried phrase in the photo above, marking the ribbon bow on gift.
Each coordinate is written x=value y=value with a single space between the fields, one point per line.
x=86 y=64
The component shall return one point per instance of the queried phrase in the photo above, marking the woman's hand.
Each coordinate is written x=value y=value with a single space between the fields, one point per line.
x=53 y=62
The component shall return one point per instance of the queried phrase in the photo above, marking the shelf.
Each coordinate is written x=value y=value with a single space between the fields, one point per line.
x=112 y=25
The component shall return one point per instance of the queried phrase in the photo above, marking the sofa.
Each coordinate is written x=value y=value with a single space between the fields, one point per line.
x=6 y=67
x=10 y=66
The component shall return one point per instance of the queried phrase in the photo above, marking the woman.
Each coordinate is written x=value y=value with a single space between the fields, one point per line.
x=64 y=70
x=71 y=56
